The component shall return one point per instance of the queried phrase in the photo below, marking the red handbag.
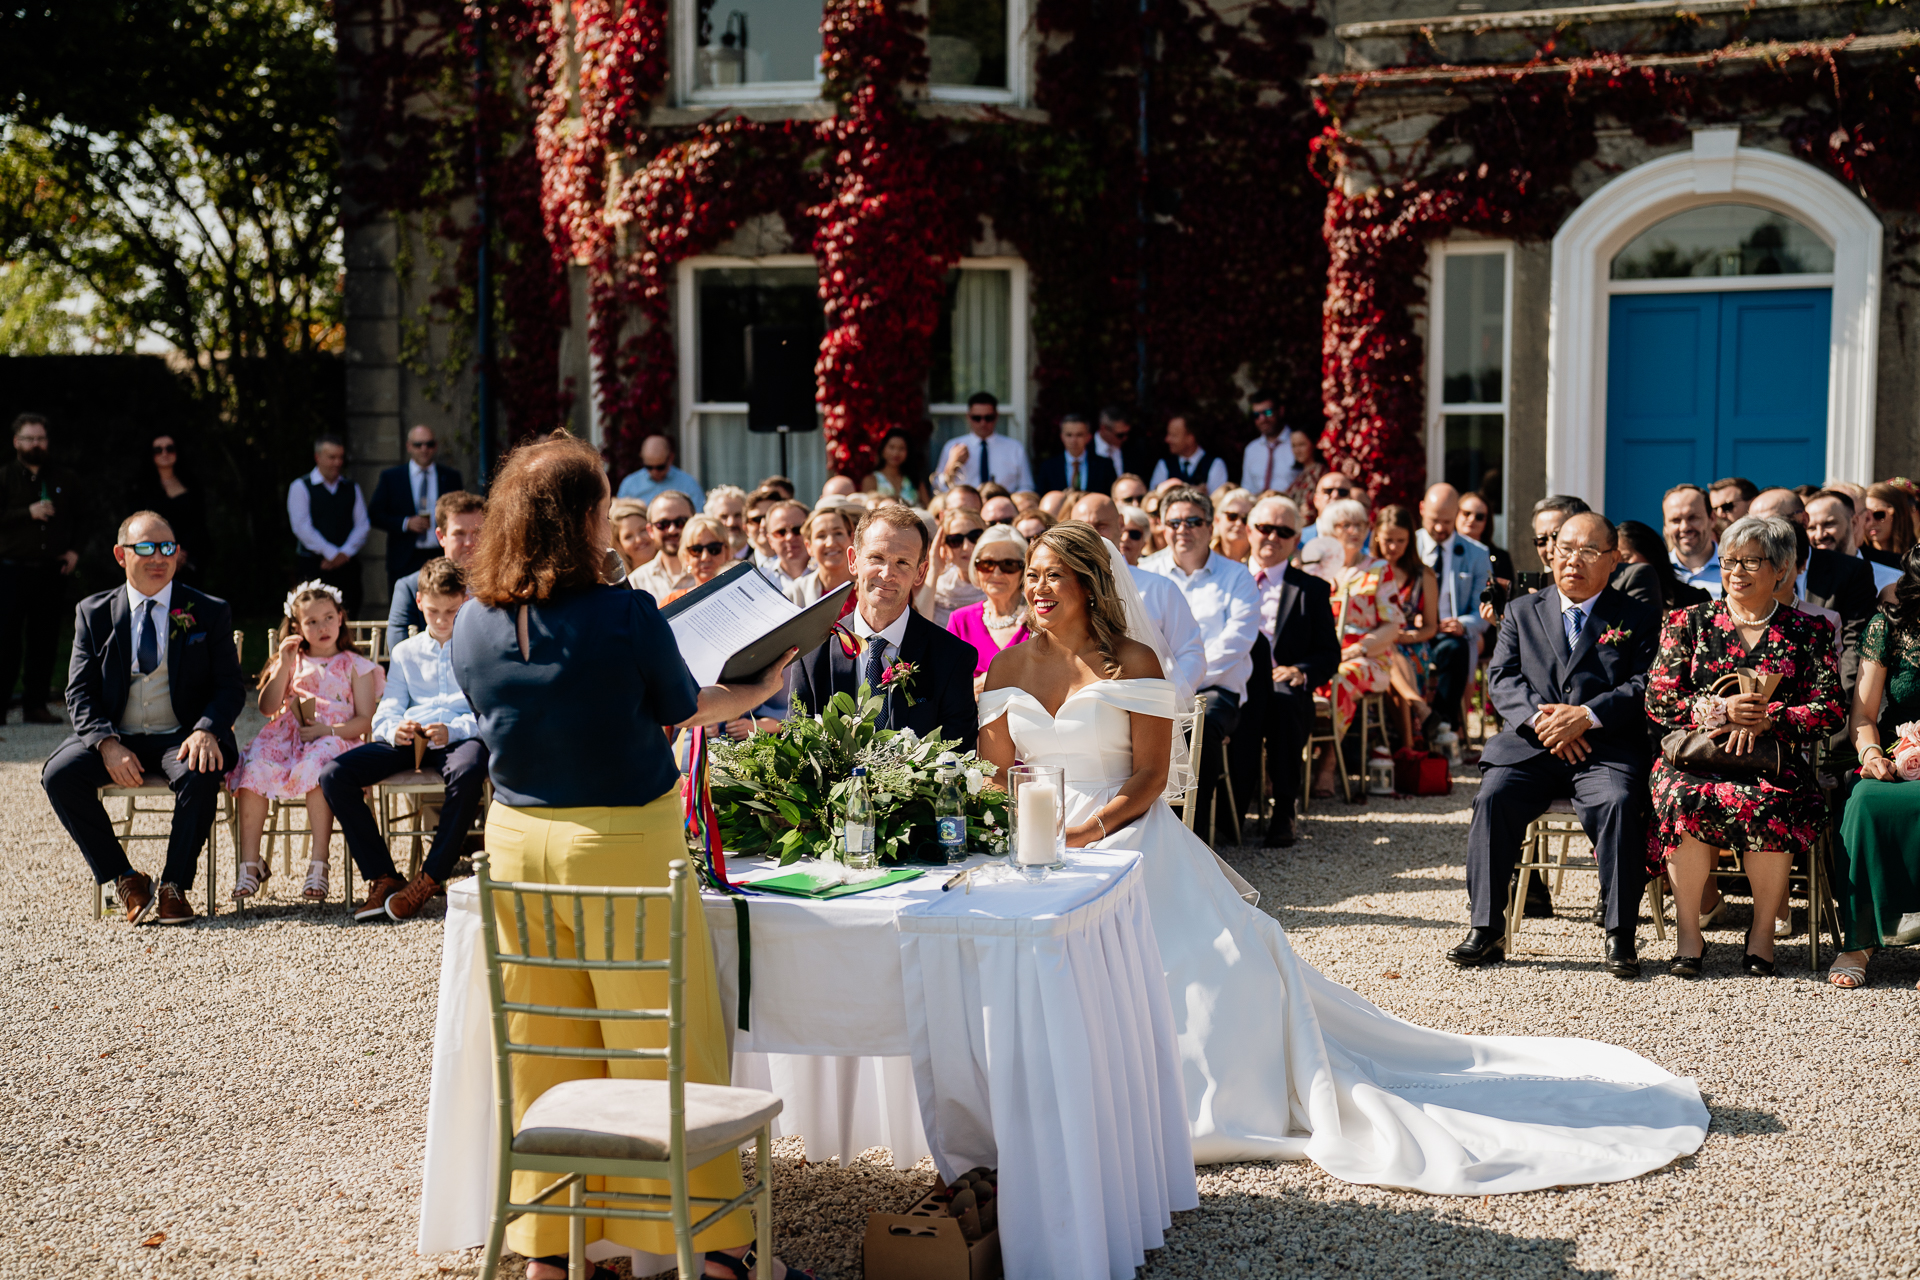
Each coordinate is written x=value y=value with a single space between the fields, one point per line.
x=1418 y=774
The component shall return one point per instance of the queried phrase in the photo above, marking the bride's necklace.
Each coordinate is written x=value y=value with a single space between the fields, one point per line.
x=1753 y=622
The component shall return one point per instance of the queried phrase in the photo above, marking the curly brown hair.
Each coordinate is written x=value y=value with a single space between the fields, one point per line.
x=536 y=542
x=1083 y=551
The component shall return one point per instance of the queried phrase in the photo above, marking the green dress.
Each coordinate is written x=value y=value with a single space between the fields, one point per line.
x=1878 y=876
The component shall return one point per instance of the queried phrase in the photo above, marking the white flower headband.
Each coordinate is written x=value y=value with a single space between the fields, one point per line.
x=313 y=584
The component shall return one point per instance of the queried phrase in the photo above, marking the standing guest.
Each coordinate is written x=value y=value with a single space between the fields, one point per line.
x=1113 y=440
x=952 y=587
x=1728 y=500
x=1646 y=571
x=727 y=503
x=894 y=476
x=1296 y=653
x=39 y=540
x=1825 y=582
x=163 y=488
x=1309 y=464
x=658 y=473
x=998 y=508
x=1161 y=600
x=1416 y=593
x=154 y=688
x=1698 y=817
x=705 y=552
x=1333 y=486
x=1000 y=620
x=632 y=536
x=457 y=518
x=329 y=519
x=1366 y=621
x=1138 y=531
x=829 y=532
x=936 y=694
x=1475 y=524
x=1129 y=490
x=1077 y=465
x=1569 y=678
x=572 y=683
x=1877 y=880
x=422 y=702
x=320 y=694
x=1890 y=524
x=1032 y=524
x=1461 y=570
x=1221 y=594
x=787 y=538
x=1688 y=528
x=1830 y=527
x=985 y=455
x=1186 y=461
x=404 y=501
x=1230 y=512
x=838 y=486
x=1268 y=465
x=667 y=516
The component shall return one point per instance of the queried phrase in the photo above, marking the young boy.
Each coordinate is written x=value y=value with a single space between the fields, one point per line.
x=422 y=703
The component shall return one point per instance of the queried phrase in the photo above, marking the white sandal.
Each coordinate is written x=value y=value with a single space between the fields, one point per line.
x=252 y=878
x=315 y=890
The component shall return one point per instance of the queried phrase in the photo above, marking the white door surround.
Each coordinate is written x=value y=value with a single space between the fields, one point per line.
x=1716 y=171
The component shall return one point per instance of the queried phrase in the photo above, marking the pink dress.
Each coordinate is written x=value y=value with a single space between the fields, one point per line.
x=279 y=766
x=969 y=622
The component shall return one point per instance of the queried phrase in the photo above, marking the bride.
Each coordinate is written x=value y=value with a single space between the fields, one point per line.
x=1279 y=1061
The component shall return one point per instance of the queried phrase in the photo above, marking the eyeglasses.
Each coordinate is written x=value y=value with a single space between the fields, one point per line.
x=1542 y=540
x=1187 y=522
x=1008 y=567
x=758 y=517
x=423 y=444
x=957 y=540
x=163 y=448
x=1725 y=508
x=1134 y=535
x=145 y=549
x=674 y=522
x=983 y=417
x=1336 y=493
x=1743 y=564
x=791 y=531
x=1277 y=530
x=1585 y=555
x=705 y=549
x=1234 y=517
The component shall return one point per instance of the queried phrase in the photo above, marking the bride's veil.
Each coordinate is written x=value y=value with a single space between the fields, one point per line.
x=1142 y=628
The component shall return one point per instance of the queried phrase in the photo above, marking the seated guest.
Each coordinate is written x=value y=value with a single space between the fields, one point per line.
x=1729 y=499
x=1830 y=526
x=1076 y=466
x=666 y=573
x=889 y=563
x=1569 y=679
x=786 y=538
x=1032 y=524
x=1000 y=620
x=632 y=535
x=838 y=486
x=154 y=687
x=1890 y=524
x=320 y=693
x=1688 y=526
x=1296 y=653
x=1764 y=819
x=405 y=501
x=705 y=551
x=1129 y=490
x=1163 y=602
x=1366 y=621
x=828 y=533
x=1549 y=514
x=1475 y=524
x=1827 y=581
x=457 y=518
x=1877 y=879
x=952 y=587
x=1220 y=592
x=759 y=502
x=1309 y=464
x=1230 y=512
x=963 y=497
x=998 y=508
x=422 y=701
x=1462 y=569
x=1334 y=486
x=658 y=473
x=1136 y=535
x=893 y=478
x=1416 y=590
x=727 y=503
x=1788 y=593
x=1646 y=572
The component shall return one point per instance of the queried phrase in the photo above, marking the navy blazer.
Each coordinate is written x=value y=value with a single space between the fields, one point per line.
x=942 y=688
x=203 y=671
x=1302 y=624
x=393 y=505
x=1051 y=473
x=1531 y=667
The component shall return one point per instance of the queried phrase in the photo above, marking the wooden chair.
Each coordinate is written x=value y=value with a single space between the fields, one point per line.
x=425 y=789
x=1190 y=723
x=612 y=1127
x=1538 y=854
x=154 y=785
x=1811 y=872
x=372 y=637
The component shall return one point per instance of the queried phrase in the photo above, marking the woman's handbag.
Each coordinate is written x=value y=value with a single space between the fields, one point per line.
x=1702 y=751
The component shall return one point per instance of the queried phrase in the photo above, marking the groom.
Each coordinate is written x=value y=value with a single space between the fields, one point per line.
x=889 y=562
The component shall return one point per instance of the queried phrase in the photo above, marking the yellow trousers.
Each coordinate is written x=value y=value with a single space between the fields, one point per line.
x=608 y=846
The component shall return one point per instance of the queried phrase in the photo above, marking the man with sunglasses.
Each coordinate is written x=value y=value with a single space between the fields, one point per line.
x=1162 y=601
x=1728 y=500
x=666 y=573
x=1462 y=570
x=404 y=500
x=984 y=456
x=155 y=687
x=1268 y=462
x=658 y=473
x=39 y=534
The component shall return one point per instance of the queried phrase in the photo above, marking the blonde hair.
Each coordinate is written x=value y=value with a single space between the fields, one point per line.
x=702 y=521
x=1084 y=553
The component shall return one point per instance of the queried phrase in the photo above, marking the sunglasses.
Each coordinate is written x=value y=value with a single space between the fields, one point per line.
x=1880 y=514
x=163 y=448
x=1335 y=493
x=1724 y=508
x=1277 y=530
x=1543 y=539
x=791 y=531
x=758 y=517
x=1135 y=535
x=983 y=417
x=145 y=549
x=1263 y=413
x=1187 y=522
x=1234 y=517
x=658 y=468
x=676 y=522
x=423 y=444
x=1008 y=567
x=1475 y=516
x=704 y=549
x=957 y=540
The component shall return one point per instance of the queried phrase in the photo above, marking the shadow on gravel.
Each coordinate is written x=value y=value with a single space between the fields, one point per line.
x=1731 y=1120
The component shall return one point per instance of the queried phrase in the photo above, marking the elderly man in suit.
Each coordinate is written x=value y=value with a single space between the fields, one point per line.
x=154 y=687
x=889 y=557
x=1076 y=466
x=1569 y=679
x=1461 y=567
x=403 y=504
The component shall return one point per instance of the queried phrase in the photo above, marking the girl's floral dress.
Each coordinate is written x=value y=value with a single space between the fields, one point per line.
x=1362 y=601
x=1700 y=645
x=1418 y=657
x=279 y=766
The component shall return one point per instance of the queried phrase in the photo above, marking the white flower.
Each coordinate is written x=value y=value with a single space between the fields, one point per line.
x=975 y=779
x=1709 y=712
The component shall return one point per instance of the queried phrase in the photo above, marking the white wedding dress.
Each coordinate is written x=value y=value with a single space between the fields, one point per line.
x=1283 y=1063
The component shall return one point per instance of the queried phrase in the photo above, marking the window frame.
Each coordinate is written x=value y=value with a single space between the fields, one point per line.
x=684 y=18
x=1015 y=94
x=1438 y=410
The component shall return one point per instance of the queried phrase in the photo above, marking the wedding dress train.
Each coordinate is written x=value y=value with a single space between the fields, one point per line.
x=1283 y=1063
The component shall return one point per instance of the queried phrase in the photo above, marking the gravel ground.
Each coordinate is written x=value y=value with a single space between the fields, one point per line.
x=247 y=1097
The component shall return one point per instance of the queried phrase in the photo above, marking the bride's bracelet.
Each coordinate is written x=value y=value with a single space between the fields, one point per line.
x=1103 y=825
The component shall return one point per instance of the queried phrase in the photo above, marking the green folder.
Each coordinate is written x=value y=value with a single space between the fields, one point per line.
x=802 y=884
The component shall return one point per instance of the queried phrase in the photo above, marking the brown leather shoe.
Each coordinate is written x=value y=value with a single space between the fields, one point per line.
x=377 y=894
x=406 y=904
x=173 y=906
x=135 y=892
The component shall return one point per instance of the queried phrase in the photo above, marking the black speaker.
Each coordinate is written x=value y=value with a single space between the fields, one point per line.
x=780 y=359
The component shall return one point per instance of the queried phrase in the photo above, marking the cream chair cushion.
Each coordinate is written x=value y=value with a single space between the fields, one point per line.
x=620 y=1119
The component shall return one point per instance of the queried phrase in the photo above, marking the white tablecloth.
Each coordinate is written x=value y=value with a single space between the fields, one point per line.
x=1026 y=1027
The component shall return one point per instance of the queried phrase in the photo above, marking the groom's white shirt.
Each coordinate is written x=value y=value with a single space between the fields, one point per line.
x=1167 y=607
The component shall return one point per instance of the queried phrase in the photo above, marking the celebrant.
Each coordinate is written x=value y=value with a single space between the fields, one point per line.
x=573 y=682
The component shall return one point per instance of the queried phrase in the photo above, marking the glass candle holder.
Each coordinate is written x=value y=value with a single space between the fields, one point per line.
x=1039 y=808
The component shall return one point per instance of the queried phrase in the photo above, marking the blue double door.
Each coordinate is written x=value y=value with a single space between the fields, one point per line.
x=1704 y=385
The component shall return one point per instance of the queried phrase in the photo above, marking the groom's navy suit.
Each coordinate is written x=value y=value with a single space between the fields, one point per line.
x=1531 y=667
x=941 y=689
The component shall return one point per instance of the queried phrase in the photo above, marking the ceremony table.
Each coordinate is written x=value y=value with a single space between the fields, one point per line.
x=1025 y=1027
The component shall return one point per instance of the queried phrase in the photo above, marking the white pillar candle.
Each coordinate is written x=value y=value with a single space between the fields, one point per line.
x=1039 y=824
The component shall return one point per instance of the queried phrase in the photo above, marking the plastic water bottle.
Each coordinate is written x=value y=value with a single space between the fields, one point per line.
x=859 y=829
x=950 y=807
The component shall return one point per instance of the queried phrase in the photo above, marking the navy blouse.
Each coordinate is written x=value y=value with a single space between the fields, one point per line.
x=578 y=722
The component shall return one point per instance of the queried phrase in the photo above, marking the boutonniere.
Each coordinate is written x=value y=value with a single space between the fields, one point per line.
x=182 y=620
x=899 y=676
x=1615 y=635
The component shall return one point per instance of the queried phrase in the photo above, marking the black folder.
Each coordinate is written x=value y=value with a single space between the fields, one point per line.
x=806 y=630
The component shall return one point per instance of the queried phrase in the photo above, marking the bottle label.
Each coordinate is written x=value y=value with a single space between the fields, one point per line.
x=953 y=831
x=859 y=838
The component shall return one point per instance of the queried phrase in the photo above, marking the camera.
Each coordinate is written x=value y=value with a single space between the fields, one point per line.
x=1494 y=596
x=1527 y=583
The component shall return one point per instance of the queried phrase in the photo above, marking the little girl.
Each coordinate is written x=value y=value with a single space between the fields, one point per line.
x=284 y=761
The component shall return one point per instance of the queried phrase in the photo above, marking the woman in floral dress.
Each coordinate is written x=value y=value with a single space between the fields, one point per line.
x=1366 y=620
x=1697 y=818
x=313 y=661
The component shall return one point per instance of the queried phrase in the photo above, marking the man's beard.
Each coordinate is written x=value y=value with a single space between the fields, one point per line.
x=32 y=457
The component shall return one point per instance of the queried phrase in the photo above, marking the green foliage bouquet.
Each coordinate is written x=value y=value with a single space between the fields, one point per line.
x=784 y=794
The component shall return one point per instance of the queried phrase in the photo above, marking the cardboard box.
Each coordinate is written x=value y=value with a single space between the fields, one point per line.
x=925 y=1244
